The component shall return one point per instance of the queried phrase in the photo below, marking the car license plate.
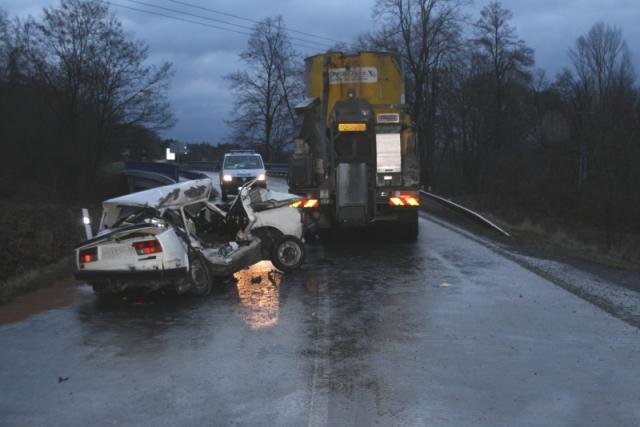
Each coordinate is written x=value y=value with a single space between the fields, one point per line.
x=110 y=252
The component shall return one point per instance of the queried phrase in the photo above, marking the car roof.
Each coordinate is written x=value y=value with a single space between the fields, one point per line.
x=173 y=195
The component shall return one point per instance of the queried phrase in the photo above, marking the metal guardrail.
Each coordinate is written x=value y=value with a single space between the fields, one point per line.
x=465 y=211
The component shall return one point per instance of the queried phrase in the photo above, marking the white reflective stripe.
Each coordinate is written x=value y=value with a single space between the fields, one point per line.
x=388 y=153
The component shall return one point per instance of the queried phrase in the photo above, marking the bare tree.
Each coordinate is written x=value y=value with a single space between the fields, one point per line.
x=4 y=42
x=96 y=79
x=600 y=90
x=507 y=57
x=603 y=68
x=266 y=91
x=423 y=33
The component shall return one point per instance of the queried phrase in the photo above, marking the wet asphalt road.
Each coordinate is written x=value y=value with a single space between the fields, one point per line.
x=372 y=331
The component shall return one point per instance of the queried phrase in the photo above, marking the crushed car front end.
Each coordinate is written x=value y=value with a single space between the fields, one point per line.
x=138 y=244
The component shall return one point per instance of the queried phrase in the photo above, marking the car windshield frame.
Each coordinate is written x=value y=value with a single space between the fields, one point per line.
x=243 y=161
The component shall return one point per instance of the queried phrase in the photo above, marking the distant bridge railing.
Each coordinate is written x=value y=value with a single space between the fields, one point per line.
x=188 y=174
x=170 y=170
x=145 y=175
x=277 y=169
x=203 y=166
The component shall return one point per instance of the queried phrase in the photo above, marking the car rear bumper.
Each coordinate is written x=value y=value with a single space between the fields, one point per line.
x=130 y=274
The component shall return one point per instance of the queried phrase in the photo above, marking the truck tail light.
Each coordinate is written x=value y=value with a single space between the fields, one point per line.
x=401 y=198
x=305 y=203
x=147 y=247
x=88 y=255
x=412 y=201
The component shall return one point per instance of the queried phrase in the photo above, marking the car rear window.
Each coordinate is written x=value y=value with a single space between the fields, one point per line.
x=243 y=162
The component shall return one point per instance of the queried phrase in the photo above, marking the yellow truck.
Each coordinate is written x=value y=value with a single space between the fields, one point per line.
x=355 y=159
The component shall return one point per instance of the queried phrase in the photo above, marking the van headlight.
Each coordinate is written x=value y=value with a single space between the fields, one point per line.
x=261 y=177
x=227 y=178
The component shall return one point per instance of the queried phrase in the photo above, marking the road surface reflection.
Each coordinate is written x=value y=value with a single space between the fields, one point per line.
x=259 y=294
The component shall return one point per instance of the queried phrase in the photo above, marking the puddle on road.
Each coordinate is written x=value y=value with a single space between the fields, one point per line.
x=259 y=293
x=257 y=289
x=62 y=293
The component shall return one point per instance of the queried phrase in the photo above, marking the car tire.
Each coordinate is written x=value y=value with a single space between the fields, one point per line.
x=199 y=277
x=288 y=253
x=103 y=293
x=98 y=289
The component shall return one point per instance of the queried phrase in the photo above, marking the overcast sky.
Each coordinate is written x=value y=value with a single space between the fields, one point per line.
x=201 y=55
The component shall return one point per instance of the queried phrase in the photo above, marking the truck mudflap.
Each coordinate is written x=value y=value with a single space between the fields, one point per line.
x=351 y=192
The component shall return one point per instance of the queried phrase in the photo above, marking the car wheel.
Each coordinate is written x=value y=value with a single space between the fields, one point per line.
x=98 y=289
x=103 y=293
x=199 y=277
x=288 y=253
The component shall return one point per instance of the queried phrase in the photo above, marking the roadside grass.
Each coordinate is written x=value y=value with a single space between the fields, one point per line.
x=39 y=233
x=38 y=239
x=553 y=236
x=586 y=243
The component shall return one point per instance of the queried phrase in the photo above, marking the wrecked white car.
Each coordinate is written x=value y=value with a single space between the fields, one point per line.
x=176 y=236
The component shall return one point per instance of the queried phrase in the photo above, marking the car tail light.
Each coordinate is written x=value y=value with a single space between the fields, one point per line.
x=408 y=198
x=147 y=247
x=305 y=203
x=88 y=255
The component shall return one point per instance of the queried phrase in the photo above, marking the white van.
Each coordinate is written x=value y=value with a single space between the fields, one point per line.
x=240 y=167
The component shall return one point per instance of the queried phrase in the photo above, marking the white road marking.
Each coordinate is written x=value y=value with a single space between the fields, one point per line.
x=319 y=405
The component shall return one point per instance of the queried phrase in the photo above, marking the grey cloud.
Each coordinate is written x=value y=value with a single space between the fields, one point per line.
x=201 y=56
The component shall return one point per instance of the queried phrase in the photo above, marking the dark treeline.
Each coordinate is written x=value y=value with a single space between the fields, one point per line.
x=75 y=90
x=266 y=91
x=494 y=127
